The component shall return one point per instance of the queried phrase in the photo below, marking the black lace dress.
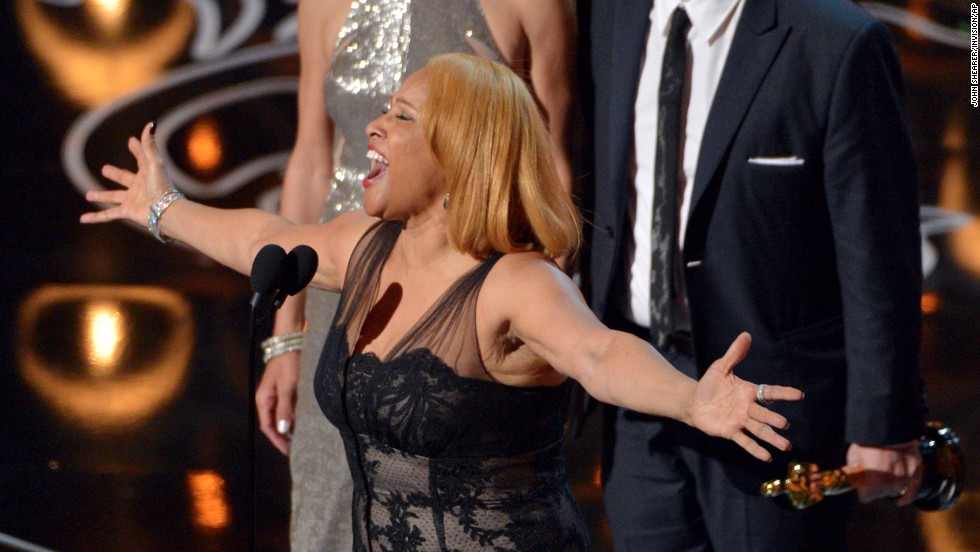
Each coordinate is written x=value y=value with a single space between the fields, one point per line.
x=442 y=457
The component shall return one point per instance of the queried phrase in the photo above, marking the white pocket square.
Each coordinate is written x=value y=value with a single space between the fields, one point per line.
x=792 y=161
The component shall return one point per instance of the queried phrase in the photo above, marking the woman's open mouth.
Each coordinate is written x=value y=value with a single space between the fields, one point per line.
x=379 y=166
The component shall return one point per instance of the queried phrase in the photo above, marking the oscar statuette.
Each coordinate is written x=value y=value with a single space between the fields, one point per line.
x=942 y=480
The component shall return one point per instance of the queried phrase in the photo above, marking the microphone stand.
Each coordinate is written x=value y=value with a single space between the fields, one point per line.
x=292 y=273
x=250 y=440
x=266 y=278
x=253 y=369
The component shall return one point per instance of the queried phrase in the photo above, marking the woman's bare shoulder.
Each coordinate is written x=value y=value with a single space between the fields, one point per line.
x=525 y=260
x=525 y=276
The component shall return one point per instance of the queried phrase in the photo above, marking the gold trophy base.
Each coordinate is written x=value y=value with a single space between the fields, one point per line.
x=942 y=479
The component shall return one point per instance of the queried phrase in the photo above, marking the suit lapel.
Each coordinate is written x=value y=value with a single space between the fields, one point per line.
x=631 y=20
x=757 y=40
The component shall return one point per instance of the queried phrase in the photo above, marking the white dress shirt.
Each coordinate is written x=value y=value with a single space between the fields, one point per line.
x=713 y=24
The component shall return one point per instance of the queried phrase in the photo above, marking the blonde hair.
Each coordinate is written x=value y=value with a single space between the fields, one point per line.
x=487 y=134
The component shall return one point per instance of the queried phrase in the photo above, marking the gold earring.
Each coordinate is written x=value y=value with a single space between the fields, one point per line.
x=445 y=202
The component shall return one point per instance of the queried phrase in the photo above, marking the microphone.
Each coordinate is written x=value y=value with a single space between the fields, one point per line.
x=298 y=268
x=306 y=265
x=266 y=274
x=287 y=276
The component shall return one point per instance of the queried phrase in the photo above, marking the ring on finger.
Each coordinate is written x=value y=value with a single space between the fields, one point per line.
x=760 y=395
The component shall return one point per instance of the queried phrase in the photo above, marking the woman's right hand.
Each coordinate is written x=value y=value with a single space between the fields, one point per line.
x=275 y=399
x=141 y=189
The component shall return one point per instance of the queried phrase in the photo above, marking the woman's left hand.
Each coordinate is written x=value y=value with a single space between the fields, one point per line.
x=726 y=406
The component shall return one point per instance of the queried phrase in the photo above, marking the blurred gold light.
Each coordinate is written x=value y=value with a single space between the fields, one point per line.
x=92 y=72
x=209 y=500
x=952 y=530
x=110 y=6
x=109 y=15
x=204 y=151
x=109 y=391
x=105 y=332
x=922 y=9
x=930 y=303
x=954 y=195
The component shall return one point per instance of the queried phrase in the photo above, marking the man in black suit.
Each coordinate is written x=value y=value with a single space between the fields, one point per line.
x=795 y=218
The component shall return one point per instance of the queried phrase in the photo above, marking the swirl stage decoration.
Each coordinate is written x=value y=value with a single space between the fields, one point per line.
x=125 y=76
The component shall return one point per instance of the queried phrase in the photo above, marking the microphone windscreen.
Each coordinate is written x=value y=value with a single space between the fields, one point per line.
x=265 y=269
x=287 y=274
x=306 y=264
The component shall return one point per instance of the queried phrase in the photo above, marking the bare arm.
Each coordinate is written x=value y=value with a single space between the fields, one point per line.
x=304 y=190
x=545 y=310
x=550 y=29
x=231 y=237
x=307 y=180
x=537 y=38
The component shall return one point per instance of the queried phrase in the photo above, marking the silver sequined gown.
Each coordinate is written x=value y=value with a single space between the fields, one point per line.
x=382 y=42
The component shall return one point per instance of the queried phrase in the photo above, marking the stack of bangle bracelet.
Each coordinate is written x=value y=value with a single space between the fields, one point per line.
x=156 y=211
x=280 y=345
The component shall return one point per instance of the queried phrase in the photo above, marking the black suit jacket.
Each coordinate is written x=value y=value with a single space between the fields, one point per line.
x=820 y=262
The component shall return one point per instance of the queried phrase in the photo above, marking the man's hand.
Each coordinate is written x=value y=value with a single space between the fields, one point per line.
x=894 y=471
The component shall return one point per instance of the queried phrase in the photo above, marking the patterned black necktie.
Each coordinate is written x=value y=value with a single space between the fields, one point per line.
x=664 y=232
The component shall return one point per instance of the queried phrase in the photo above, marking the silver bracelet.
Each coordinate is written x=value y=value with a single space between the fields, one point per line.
x=280 y=345
x=156 y=211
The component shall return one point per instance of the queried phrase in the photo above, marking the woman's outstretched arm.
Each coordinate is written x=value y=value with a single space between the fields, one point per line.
x=231 y=237
x=545 y=310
